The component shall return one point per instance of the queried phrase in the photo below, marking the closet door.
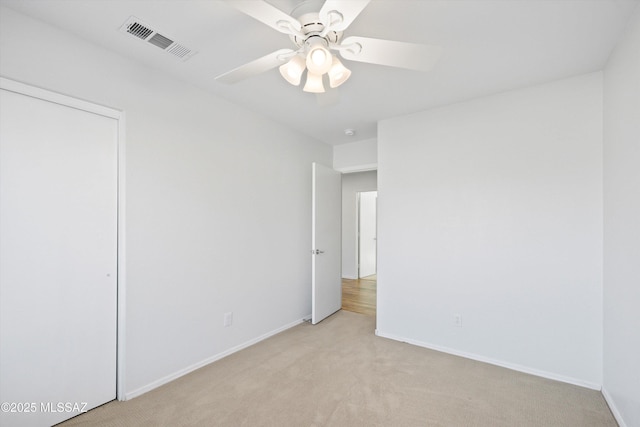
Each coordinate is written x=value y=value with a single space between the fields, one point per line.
x=58 y=259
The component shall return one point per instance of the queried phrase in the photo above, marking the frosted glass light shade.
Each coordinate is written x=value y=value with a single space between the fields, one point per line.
x=319 y=59
x=338 y=73
x=292 y=70
x=314 y=83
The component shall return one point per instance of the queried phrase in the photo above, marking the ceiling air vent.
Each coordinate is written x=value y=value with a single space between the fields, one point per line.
x=161 y=41
x=142 y=31
x=139 y=30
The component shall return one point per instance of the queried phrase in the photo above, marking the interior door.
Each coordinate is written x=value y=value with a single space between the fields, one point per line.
x=326 y=243
x=367 y=240
x=58 y=252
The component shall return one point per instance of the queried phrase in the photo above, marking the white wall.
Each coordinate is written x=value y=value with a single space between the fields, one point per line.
x=218 y=203
x=492 y=209
x=622 y=228
x=352 y=184
x=356 y=156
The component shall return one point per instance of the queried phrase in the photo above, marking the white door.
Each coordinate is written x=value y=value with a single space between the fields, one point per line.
x=326 y=257
x=367 y=240
x=58 y=252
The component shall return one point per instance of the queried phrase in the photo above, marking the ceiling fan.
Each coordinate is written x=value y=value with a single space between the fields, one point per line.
x=316 y=32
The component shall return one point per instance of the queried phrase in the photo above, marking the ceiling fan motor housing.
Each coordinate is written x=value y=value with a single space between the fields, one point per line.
x=312 y=27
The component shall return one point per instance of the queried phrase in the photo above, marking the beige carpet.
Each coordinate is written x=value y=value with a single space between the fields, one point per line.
x=338 y=373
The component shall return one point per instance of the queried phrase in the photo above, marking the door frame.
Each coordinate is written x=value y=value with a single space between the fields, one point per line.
x=119 y=116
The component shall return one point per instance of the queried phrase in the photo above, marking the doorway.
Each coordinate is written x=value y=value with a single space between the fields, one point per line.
x=358 y=284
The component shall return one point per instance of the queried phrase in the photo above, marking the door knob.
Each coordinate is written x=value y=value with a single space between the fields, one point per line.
x=317 y=252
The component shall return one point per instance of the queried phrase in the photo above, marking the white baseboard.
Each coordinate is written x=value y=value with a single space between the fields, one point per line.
x=349 y=277
x=188 y=369
x=614 y=409
x=512 y=366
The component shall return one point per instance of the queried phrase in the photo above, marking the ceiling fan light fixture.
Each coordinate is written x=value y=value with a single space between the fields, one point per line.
x=292 y=70
x=314 y=83
x=319 y=59
x=338 y=73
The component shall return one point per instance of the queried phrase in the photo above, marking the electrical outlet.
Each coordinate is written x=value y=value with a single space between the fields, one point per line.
x=457 y=320
x=228 y=319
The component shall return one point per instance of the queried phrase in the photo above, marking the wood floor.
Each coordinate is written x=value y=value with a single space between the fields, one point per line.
x=359 y=295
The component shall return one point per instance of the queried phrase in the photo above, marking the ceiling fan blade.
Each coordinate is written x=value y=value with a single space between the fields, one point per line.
x=267 y=14
x=348 y=10
x=419 y=57
x=258 y=66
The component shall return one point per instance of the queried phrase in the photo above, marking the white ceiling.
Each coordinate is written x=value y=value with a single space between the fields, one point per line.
x=489 y=46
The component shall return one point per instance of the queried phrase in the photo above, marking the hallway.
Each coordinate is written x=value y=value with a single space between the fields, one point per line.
x=359 y=295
